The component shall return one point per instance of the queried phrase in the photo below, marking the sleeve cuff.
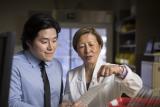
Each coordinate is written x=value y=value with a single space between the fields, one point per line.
x=124 y=72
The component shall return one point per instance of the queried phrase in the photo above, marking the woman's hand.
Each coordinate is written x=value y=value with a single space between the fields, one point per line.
x=70 y=104
x=66 y=104
x=79 y=104
x=107 y=70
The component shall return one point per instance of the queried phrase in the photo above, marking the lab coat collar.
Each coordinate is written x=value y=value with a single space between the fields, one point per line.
x=81 y=76
x=99 y=63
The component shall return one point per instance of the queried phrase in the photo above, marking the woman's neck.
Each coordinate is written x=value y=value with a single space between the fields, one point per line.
x=89 y=68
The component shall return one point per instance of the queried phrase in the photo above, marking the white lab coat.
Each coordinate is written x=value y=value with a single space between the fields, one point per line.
x=76 y=85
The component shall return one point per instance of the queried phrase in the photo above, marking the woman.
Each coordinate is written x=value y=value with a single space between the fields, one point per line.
x=28 y=87
x=118 y=79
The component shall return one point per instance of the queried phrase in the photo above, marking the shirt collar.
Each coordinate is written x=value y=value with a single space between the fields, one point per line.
x=33 y=60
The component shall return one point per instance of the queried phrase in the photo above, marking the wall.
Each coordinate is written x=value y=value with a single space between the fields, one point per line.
x=13 y=13
x=84 y=4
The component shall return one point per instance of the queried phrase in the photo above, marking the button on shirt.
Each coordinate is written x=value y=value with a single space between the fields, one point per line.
x=26 y=86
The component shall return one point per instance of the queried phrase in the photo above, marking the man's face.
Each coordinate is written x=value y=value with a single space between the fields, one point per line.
x=44 y=45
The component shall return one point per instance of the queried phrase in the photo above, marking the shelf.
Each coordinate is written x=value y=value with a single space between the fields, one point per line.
x=125 y=58
x=128 y=46
x=131 y=32
x=128 y=19
x=126 y=26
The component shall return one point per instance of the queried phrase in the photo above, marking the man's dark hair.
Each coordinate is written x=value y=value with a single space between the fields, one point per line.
x=34 y=24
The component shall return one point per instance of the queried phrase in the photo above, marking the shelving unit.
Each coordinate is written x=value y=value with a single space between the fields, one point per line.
x=126 y=41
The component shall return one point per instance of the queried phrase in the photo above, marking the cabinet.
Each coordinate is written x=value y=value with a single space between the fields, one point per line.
x=126 y=41
x=156 y=74
x=147 y=73
x=150 y=72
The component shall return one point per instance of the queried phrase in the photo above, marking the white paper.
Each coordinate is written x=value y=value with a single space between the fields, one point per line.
x=87 y=97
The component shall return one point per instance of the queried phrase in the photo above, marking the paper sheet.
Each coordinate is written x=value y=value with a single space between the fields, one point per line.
x=87 y=97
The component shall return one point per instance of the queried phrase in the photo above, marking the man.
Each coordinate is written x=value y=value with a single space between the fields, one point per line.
x=28 y=88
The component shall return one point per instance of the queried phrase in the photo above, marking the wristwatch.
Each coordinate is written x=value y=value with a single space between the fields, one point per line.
x=123 y=72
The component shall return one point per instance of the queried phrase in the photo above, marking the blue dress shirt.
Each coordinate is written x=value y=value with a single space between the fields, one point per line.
x=26 y=86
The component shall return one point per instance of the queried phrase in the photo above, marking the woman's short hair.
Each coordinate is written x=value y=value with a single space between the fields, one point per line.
x=85 y=30
x=34 y=24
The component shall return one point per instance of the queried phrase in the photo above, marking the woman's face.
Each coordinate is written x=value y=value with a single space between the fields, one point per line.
x=88 y=48
x=44 y=45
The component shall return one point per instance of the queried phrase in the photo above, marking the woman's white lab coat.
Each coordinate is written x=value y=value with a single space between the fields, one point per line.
x=76 y=85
